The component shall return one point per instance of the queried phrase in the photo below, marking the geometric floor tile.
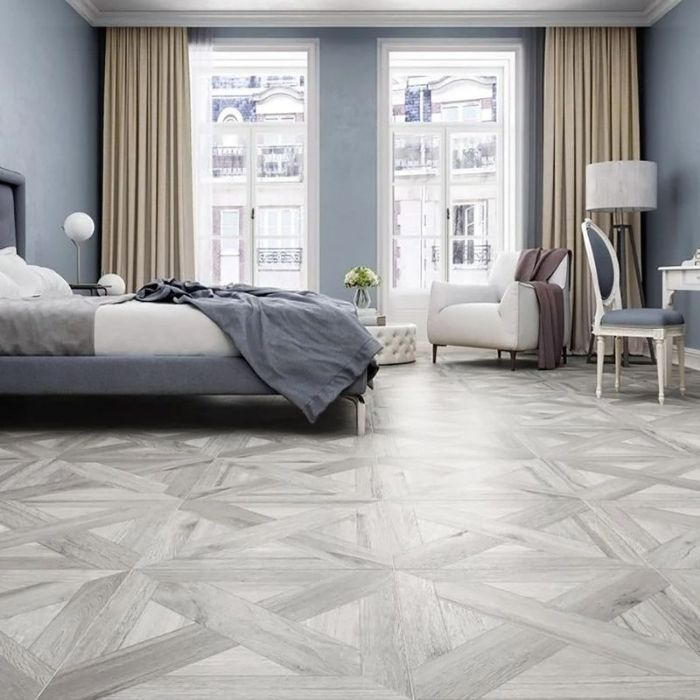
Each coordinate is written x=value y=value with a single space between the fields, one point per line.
x=495 y=535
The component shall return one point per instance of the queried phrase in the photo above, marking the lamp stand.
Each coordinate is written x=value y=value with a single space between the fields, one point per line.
x=77 y=271
x=623 y=242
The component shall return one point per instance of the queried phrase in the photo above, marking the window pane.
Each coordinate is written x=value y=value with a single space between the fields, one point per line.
x=280 y=157
x=417 y=210
x=263 y=86
x=279 y=263
x=416 y=155
x=473 y=153
x=443 y=97
x=229 y=156
x=227 y=260
x=417 y=262
x=279 y=222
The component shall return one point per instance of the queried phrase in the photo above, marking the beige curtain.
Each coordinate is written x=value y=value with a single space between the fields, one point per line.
x=591 y=114
x=147 y=182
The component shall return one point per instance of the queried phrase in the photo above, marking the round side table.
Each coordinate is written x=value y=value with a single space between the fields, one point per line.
x=399 y=341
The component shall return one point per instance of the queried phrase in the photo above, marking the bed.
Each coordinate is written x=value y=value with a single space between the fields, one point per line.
x=140 y=349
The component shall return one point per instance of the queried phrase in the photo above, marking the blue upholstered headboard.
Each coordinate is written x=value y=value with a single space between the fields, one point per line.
x=12 y=210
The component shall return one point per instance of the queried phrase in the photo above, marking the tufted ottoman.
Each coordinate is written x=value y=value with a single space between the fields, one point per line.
x=399 y=341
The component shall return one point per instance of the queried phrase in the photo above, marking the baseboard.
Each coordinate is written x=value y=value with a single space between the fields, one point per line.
x=692 y=358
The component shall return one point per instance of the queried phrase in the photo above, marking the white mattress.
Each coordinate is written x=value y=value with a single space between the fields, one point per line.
x=135 y=328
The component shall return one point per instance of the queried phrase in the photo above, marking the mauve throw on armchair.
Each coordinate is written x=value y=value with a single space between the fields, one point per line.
x=500 y=315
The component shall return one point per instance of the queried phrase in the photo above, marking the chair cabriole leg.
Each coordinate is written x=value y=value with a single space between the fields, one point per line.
x=600 y=351
x=618 y=361
x=660 y=345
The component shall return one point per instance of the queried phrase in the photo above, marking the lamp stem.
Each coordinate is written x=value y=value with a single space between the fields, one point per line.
x=77 y=248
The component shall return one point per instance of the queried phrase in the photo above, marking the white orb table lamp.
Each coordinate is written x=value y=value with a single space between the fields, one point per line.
x=78 y=227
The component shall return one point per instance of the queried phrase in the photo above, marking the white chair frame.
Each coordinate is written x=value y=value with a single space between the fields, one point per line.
x=614 y=301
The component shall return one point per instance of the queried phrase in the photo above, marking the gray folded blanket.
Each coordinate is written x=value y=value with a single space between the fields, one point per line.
x=306 y=346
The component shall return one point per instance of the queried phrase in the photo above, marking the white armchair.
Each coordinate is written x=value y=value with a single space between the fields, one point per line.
x=500 y=315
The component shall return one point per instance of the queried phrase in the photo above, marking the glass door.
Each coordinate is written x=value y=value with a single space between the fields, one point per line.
x=225 y=254
x=280 y=208
x=418 y=208
x=473 y=185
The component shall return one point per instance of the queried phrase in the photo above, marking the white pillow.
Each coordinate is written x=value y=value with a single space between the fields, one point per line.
x=53 y=285
x=29 y=282
x=8 y=288
x=9 y=250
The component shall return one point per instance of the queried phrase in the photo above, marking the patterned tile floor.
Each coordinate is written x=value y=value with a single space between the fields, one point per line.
x=495 y=534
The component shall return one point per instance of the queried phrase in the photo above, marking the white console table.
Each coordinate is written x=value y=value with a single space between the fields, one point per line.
x=676 y=278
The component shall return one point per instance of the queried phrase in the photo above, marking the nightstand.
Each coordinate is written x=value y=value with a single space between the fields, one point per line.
x=95 y=290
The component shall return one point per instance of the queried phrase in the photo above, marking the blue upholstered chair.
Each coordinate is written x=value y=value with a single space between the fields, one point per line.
x=611 y=320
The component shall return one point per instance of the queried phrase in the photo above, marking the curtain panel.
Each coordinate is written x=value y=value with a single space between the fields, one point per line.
x=147 y=169
x=591 y=114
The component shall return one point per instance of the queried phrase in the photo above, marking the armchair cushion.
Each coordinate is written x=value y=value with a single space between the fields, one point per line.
x=502 y=272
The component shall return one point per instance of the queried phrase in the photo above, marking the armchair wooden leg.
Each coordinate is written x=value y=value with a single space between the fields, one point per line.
x=660 y=364
x=600 y=352
x=435 y=347
x=618 y=361
x=500 y=352
x=680 y=344
x=513 y=353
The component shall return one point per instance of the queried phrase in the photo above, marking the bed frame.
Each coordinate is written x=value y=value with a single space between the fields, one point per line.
x=138 y=375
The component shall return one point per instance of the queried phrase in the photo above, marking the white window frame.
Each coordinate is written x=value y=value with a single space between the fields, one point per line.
x=312 y=124
x=512 y=178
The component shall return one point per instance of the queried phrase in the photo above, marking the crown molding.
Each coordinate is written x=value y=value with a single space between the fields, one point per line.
x=98 y=18
x=87 y=10
x=658 y=8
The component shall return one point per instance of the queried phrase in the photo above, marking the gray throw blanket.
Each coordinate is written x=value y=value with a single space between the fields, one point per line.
x=536 y=266
x=53 y=326
x=306 y=346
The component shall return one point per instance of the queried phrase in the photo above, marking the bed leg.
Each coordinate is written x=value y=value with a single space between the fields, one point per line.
x=360 y=413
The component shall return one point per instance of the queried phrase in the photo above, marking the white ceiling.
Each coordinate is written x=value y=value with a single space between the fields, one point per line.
x=377 y=13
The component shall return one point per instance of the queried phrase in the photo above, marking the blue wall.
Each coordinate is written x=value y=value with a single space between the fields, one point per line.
x=50 y=122
x=348 y=136
x=670 y=113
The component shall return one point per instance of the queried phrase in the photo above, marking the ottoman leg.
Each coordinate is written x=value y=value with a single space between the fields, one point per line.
x=435 y=347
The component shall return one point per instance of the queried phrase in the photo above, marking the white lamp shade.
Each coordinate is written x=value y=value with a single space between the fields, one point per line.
x=79 y=227
x=622 y=185
x=114 y=283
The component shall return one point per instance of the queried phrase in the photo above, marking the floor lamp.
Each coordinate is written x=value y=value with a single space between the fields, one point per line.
x=620 y=187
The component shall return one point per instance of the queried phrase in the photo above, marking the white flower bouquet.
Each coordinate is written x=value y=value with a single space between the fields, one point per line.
x=362 y=277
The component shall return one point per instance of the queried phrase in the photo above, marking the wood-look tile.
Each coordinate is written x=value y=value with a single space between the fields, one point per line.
x=495 y=534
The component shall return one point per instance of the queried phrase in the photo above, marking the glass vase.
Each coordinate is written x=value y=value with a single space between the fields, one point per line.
x=361 y=299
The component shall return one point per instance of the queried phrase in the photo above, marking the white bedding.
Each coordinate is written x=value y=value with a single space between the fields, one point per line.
x=135 y=328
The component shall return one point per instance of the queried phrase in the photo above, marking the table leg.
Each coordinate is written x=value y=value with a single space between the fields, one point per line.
x=667 y=303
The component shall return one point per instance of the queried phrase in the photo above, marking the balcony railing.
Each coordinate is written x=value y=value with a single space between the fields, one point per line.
x=228 y=161
x=279 y=259
x=272 y=161
x=472 y=255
